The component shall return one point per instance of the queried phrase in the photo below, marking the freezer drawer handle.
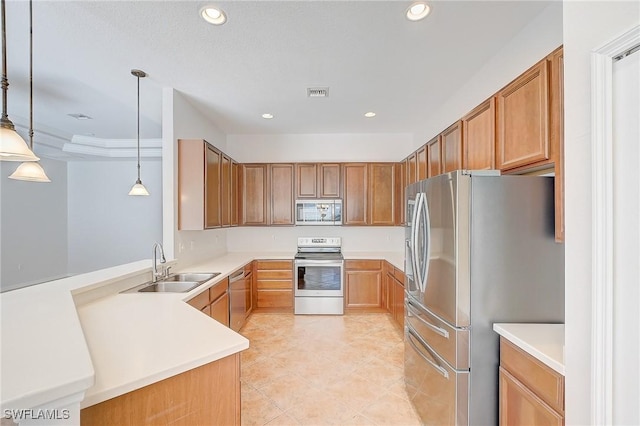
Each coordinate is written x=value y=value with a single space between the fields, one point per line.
x=439 y=369
x=441 y=331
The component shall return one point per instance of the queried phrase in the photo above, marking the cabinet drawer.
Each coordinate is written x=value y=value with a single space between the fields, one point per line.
x=274 y=275
x=219 y=289
x=200 y=301
x=274 y=284
x=275 y=298
x=369 y=265
x=398 y=274
x=542 y=380
x=273 y=264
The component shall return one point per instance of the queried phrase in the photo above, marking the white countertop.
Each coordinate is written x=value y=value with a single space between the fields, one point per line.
x=544 y=342
x=79 y=334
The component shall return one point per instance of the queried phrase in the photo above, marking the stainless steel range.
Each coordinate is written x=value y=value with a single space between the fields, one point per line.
x=319 y=272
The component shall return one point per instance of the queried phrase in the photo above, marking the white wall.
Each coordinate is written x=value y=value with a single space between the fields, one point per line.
x=107 y=227
x=539 y=38
x=337 y=147
x=284 y=239
x=180 y=120
x=39 y=253
x=587 y=26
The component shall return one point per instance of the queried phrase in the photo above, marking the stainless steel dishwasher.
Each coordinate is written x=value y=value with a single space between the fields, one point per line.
x=237 y=299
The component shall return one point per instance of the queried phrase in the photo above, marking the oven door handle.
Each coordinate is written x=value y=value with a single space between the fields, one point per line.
x=318 y=263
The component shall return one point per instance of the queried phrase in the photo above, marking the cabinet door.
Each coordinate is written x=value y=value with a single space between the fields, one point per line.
x=363 y=289
x=412 y=168
x=212 y=188
x=329 y=181
x=556 y=121
x=421 y=166
x=523 y=120
x=479 y=137
x=399 y=204
x=281 y=190
x=398 y=302
x=254 y=194
x=306 y=180
x=381 y=194
x=520 y=406
x=225 y=191
x=248 y=282
x=220 y=309
x=354 y=205
x=451 y=140
x=235 y=192
x=434 y=161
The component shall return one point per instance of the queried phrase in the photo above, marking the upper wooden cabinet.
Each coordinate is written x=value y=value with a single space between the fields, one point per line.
x=434 y=160
x=479 y=136
x=421 y=163
x=204 y=186
x=254 y=194
x=451 y=155
x=411 y=167
x=382 y=194
x=354 y=205
x=523 y=119
x=235 y=189
x=317 y=180
x=556 y=122
x=281 y=194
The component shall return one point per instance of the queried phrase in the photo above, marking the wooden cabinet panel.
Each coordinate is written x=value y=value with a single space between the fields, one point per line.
x=200 y=301
x=188 y=398
x=523 y=119
x=399 y=204
x=225 y=191
x=398 y=303
x=282 y=194
x=220 y=309
x=556 y=123
x=479 y=137
x=412 y=168
x=275 y=299
x=285 y=274
x=273 y=285
x=451 y=140
x=212 y=190
x=219 y=289
x=363 y=289
x=329 y=180
x=434 y=159
x=306 y=180
x=273 y=264
x=235 y=193
x=520 y=406
x=354 y=205
x=365 y=264
x=254 y=194
x=421 y=163
x=248 y=282
x=381 y=194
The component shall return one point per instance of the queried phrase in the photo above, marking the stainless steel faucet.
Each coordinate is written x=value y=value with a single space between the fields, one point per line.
x=159 y=272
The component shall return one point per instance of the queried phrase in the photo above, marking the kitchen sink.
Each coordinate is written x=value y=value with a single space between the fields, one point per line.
x=175 y=283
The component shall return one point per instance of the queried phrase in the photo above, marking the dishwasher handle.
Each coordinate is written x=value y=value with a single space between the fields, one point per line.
x=236 y=276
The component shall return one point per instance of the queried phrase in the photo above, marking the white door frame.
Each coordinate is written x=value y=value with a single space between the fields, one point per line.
x=602 y=227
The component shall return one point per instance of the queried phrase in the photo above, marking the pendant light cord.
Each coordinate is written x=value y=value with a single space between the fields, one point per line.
x=31 y=75
x=5 y=83
x=138 y=128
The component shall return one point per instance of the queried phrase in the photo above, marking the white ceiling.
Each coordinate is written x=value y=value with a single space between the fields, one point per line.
x=261 y=60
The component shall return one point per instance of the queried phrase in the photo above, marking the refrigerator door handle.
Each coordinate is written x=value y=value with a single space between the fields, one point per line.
x=414 y=240
x=427 y=227
x=438 y=368
x=441 y=331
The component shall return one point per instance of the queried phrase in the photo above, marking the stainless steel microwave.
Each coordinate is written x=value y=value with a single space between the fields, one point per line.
x=319 y=212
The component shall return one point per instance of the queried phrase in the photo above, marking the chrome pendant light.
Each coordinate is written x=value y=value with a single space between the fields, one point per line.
x=30 y=171
x=12 y=146
x=138 y=188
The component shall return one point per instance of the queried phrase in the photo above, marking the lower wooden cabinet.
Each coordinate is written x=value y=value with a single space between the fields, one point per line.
x=207 y=395
x=214 y=302
x=393 y=293
x=273 y=286
x=363 y=286
x=530 y=392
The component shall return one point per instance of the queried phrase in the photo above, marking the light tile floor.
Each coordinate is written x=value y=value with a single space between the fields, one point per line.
x=319 y=370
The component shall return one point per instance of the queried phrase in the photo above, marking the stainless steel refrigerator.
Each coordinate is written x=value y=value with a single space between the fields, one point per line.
x=480 y=249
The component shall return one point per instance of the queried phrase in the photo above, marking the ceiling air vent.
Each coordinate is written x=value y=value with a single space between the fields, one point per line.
x=317 y=92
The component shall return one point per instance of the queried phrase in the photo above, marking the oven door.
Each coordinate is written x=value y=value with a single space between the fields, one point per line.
x=319 y=278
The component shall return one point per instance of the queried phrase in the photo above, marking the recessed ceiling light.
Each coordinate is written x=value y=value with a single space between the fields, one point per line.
x=369 y=114
x=213 y=15
x=417 y=11
x=80 y=116
x=267 y=116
